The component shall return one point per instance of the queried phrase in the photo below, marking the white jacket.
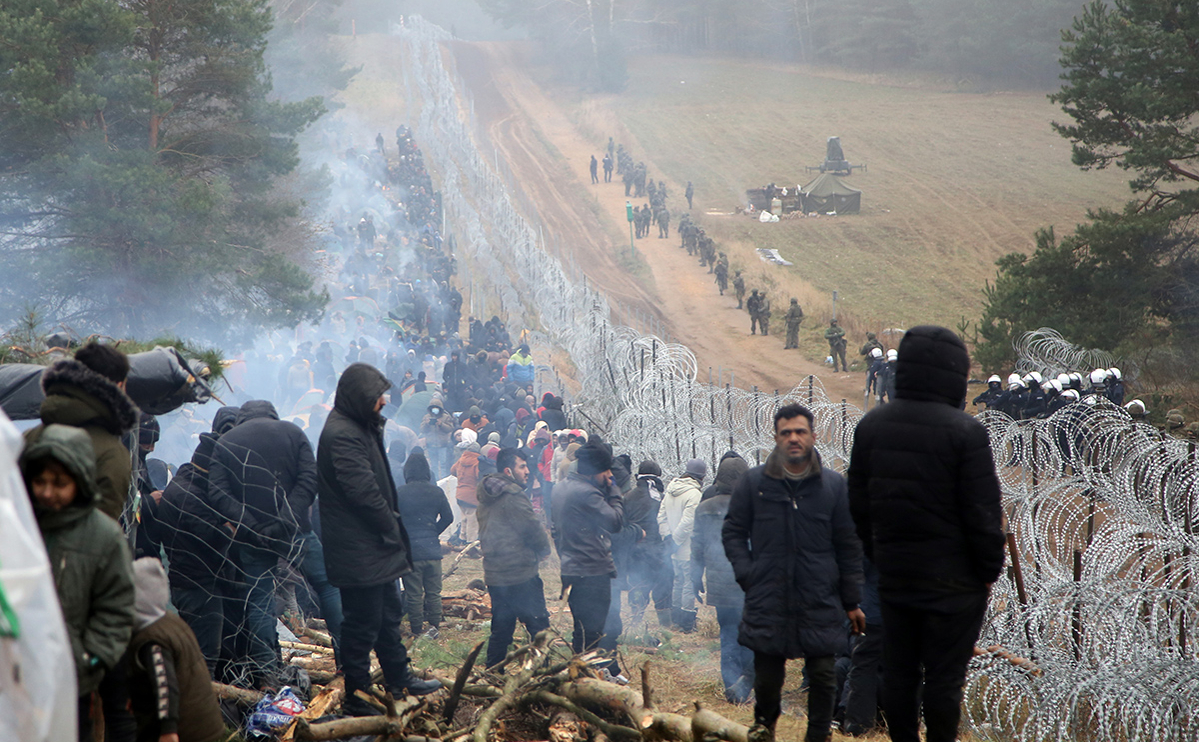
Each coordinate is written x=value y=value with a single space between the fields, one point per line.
x=676 y=516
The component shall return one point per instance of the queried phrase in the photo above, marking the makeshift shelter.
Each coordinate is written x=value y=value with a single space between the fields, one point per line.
x=827 y=193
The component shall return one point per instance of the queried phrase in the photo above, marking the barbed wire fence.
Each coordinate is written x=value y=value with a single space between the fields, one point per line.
x=1101 y=598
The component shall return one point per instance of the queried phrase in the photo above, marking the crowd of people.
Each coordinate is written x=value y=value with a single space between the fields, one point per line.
x=1031 y=396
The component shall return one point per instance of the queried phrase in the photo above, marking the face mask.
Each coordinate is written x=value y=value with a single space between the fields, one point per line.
x=436 y=410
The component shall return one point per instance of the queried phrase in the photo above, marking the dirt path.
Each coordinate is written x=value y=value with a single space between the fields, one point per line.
x=549 y=157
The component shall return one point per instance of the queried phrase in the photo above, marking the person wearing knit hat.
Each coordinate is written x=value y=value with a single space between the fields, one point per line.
x=588 y=508
x=676 y=521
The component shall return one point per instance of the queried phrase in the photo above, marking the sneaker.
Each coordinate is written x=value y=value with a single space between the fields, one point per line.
x=432 y=633
x=619 y=678
x=418 y=687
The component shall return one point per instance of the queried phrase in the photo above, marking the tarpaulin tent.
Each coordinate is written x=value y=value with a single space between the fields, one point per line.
x=160 y=381
x=827 y=194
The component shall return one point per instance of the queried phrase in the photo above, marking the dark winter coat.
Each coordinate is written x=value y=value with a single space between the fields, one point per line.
x=795 y=554
x=364 y=538
x=585 y=517
x=707 y=548
x=922 y=482
x=82 y=398
x=192 y=520
x=511 y=535
x=424 y=508
x=641 y=509
x=283 y=448
x=89 y=558
x=553 y=415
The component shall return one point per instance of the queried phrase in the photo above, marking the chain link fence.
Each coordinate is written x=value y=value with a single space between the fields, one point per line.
x=1100 y=603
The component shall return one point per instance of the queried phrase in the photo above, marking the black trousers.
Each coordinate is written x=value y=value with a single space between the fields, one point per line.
x=862 y=686
x=936 y=634
x=509 y=603
x=769 y=673
x=372 y=621
x=588 y=600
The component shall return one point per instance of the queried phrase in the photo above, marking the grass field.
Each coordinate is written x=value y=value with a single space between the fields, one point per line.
x=954 y=180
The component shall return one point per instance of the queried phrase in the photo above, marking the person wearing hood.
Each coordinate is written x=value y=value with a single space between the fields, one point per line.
x=170 y=690
x=520 y=367
x=366 y=545
x=196 y=530
x=426 y=513
x=721 y=590
x=475 y=419
x=513 y=542
x=622 y=554
x=88 y=553
x=436 y=426
x=267 y=465
x=551 y=412
x=790 y=539
x=588 y=508
x=88 y=392
x=466 y=471
x=926 y=501
x=650 y=571
x=676 y=521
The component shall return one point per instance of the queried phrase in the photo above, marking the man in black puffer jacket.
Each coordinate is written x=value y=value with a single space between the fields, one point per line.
x=426 y=513
x=366 y=545
x=925 y=498
x=721 y=590
x=794 y=552
x=650 y=570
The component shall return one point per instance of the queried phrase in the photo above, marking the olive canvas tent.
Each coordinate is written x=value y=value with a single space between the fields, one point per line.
x=827 y=193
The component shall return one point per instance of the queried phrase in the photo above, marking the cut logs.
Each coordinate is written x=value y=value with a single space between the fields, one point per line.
x=473 y=605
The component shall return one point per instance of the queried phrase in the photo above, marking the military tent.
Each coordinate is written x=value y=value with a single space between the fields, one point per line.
x=827 y=193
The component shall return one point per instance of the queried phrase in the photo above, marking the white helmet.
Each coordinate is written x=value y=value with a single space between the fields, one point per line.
x=1036 y=375
x=893 y=355
x=1098 y=376
x=1012 y=378
x=1075 y=379
x=1047 y=386
x=1063 y=379
x=876 y=352
x=1115 y=372
x=1136 y=408
x=1017 y=383
x=994 y=379
x=1057 y=385
x=1070 y=394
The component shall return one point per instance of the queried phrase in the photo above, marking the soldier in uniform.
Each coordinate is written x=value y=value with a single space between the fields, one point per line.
x=739 y=288
x=871 y=343
x=753 y=305
x=593 y=166
x=647 y=218
x=608 y=168
x=722 y=273
x=651 y=190
x=836 y=344
x=764 y=314
x=684 y=225
x=628 y=179
x=689 y=193
x=663 y=218
x=793 y=318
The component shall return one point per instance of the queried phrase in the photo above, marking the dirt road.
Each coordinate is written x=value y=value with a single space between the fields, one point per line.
x=549 y=158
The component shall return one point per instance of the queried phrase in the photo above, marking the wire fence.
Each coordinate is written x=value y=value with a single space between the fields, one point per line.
x=1101 y=600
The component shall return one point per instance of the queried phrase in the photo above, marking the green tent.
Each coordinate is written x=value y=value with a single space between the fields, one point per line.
x=827 y=193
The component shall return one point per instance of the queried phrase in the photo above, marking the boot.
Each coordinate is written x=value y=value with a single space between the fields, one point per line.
x=686 y=622
x=355 y=706
x=665 y=618
x=760 y=733
x=412 y=685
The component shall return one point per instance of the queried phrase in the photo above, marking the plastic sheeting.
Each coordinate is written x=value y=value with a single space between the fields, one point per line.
x=37 y=672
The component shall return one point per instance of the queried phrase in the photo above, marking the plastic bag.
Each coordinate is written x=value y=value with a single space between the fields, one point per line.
x=272 y=714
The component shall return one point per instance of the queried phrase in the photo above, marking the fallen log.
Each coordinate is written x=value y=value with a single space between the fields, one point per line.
x=351 y=727
x=233 y=693
x=451 y=705
x=301 y=647
x=318 y=637
x=706 y=722
x=614 y=731
x=314 y=663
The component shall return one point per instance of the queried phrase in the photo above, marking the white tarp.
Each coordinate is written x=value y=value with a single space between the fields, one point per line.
x=37 y=672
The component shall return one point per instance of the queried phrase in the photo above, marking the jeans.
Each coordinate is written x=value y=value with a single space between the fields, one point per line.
x=937 y=633
x=202 y=610
x=770 y=671
x=683 y=594
x=524 y=602
x=312 y=566
x=588 y=600
x=372 y=621
x=651 y=578
x=736 y=661
x=862 y=687
x=258 y=571
x=422 y=594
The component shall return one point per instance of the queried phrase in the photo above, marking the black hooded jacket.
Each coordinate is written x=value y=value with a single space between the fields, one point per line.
x=364 y=538
x=707 y=549
x=283 y=448
x=191 y=521
x=922 y=485
x=424 y=508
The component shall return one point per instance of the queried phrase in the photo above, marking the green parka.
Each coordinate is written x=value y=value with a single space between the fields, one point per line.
x=82 y=398
x=89 y=558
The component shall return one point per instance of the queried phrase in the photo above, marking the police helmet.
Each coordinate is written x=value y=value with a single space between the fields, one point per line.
x=1136 y=408
x=893 y=355
x=994 y=379
x=1070 y=394
x=1012 y=378
x=876 y=352
x=1063 y=379
x=1115 y=373
x=1098 y=376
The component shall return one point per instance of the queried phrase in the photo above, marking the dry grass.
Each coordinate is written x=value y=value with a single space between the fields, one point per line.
x=955 y=180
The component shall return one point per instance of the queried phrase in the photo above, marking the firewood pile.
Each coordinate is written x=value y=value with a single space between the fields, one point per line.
x=540 y=691
x=470 y=604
